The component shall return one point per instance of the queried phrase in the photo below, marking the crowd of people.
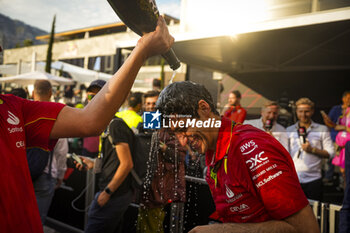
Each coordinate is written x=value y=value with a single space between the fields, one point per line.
x=260 y=174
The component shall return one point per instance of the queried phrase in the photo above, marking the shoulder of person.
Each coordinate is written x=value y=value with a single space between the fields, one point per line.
x=320 y=127
x=292 y=128
x=280 y=127
x=251 y=121
x=118 y=124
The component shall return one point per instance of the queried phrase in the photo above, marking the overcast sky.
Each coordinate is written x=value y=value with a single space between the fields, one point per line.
x=71 y=14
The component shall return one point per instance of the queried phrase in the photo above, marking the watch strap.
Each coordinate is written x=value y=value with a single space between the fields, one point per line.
x=108 y=191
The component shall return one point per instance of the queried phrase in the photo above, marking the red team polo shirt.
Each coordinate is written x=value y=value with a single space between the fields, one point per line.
x=23 y=124
x=236 y=113
x=256 y=180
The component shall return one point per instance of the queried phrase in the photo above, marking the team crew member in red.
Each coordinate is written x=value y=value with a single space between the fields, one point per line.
x=250 y=174
x=234 y=110
x=25 y=124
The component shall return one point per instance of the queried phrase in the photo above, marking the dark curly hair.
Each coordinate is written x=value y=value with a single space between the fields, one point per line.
x=183 y=97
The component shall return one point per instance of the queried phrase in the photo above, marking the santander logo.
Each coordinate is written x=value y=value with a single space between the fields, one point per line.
x=229 y=192
x=13 y=120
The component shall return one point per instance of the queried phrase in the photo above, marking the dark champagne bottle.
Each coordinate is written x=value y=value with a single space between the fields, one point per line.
x=141 y=16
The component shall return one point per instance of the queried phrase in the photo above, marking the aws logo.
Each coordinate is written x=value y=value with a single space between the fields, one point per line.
x=248 y=147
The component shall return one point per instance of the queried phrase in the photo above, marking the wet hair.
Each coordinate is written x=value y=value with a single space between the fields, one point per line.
x=42 y=87
x=135 y=99
x=237 y=94
x=306 y=101
x=20 y=92
x=183 y=97
x=151 y=93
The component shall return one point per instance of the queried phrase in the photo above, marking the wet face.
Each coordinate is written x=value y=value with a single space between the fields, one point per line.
x=304 y=113
x=150 y=104
x=270 y=113
x=233 y=100
x=199 y=139
x=346 y=100
x=195 y=138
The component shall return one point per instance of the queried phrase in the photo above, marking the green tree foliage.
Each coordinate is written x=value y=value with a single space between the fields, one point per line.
x=49 y=48
x=27 y=42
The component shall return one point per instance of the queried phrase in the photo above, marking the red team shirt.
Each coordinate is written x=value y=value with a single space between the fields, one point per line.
x=256 y=181
x=23 y=124
x=236 y=113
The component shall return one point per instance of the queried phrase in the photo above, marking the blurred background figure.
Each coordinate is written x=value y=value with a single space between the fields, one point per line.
x=20 y=92
x=91 y=144
x=268 y=122
x=344 y=220
x=156 y=84
x=150 y=99
x=234 y=110
x=68 y=93
x=131 y=115
x=116 y=192
x=309 y=142
x=335 y=115
x=343 y=136
x=52 y=176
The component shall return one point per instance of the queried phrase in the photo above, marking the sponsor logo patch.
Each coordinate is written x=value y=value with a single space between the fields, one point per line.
x=248 y=147
x=229 y=192
x=13 y=120
x=240 y=208
x=254 y=161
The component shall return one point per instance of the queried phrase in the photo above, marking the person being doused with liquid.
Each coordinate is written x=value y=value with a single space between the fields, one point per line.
x=250 y=174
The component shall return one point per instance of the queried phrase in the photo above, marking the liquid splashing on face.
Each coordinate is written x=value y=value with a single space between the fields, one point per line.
x=172 y=77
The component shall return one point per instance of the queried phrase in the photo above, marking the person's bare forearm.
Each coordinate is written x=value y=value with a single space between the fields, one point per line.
x=125 y=166
x=94 y=118
x=114 y=93
x=320 y=153
x=303 y=221
x=268 y=227
x=119 y=177
x=263 y=227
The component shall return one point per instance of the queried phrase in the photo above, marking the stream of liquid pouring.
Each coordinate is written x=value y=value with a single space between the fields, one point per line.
x=172 y=77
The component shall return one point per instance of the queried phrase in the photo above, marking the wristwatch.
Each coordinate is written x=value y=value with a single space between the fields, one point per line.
x=108 y=191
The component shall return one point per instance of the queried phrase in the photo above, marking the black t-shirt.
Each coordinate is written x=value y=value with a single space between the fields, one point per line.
x=120 y=132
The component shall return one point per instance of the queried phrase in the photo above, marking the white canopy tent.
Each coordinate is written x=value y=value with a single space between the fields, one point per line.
x=13 y=69
x=29 y=78
x=78 y=74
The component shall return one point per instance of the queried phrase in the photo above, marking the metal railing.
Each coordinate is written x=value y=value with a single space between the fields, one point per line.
x=326 y=214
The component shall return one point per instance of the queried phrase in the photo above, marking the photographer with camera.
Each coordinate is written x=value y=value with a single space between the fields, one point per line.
x=268 y=122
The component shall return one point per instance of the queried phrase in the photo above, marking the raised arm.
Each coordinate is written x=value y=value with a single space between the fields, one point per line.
x=93 y=119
